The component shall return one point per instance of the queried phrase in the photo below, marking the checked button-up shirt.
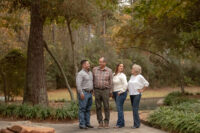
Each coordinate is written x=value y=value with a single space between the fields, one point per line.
x=103 y=78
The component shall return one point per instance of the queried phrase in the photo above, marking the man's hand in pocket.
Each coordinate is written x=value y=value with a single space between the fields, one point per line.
x=82 y=96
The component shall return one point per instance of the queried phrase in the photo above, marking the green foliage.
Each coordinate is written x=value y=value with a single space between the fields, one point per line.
x=39 y=112
x=70 y=111
x=96 y=49
x=13 y=67
x=168 y=28
x=175 y=98
x=183 y=118
x=166 y=25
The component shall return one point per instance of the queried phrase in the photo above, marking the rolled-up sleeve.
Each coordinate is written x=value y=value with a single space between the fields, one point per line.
x=79 y=80
x=144 y=81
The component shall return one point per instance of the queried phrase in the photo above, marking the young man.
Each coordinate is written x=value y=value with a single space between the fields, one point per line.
x=103 y=84
x=84 y=83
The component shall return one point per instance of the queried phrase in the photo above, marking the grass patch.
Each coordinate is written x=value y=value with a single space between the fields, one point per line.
x=56 y=95
x=63 y=94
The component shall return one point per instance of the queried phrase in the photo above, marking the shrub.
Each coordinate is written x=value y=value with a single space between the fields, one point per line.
x=177 y=121
x=184 y=118
x=175 y=98
x=39 y=112
x=187 y=107
x=70 y=111
x=12 y=77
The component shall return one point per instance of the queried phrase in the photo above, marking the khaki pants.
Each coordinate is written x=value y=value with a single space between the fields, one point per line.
x=102 y=96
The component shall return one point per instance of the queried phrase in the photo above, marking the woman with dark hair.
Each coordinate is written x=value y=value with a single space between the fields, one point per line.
x=120 y=93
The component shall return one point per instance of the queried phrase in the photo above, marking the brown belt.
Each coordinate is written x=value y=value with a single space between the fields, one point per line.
x=101 y=88
x=89 y=91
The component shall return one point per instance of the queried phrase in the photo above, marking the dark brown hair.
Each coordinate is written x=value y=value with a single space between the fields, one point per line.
x=83 y=62
x=116 y=69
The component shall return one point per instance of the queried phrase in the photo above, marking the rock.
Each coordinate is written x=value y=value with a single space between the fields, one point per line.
x=15 y=128
x=29 y=129
x=5 y=131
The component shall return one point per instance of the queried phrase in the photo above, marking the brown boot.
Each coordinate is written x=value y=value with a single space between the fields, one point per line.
x=106 y=125
x=100 y=125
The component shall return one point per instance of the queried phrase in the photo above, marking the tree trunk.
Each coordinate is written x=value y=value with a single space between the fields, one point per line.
x=4 y=85
x=73 y=48
x=53 y=33
x=73 y=51
x=104 y=25
x=89 y=33
x=181 y=79
x=98 y=29
x=35 y=90
x=132 y=1
x=182 y=86
x=104 y=30
x=61 y=70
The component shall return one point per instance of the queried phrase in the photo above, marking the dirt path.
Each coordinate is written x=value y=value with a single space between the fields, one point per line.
x=73 y=128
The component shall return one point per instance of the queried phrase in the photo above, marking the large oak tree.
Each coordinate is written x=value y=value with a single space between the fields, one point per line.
x=40 y=10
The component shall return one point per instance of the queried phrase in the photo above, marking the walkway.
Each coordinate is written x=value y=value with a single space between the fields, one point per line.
x=73 y=128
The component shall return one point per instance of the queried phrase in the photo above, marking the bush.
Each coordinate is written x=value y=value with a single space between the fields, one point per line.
x=187 y=107
x=39 y=112
x=175 y=98
x=12 y=77
x=184 y=118
x=183 y=114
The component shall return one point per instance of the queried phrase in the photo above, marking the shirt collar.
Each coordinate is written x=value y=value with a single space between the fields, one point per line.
x=105 y=68
x=85 y=70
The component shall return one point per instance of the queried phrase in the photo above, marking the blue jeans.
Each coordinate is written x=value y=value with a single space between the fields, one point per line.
x=84 y=109
x=119 y=100
x=135 y=101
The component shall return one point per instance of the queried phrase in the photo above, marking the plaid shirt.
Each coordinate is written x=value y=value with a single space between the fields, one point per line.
x=103 y=79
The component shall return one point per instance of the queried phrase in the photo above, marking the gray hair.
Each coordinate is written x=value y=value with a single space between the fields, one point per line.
x=137 y=68
x=104 y=59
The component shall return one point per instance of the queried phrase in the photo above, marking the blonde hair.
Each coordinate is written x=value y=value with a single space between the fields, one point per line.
x=137 y=68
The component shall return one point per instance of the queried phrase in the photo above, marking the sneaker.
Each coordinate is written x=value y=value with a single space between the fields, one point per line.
x=133 y=127
x=83 y=127
x=117 y=126
x=106 y=126
x=89 y=126
x=100 y=125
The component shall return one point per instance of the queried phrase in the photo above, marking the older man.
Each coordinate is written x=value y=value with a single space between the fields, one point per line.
x=103 y=90
x=84 y=82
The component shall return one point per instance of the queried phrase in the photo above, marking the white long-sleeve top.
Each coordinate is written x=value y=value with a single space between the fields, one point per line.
x=135 y=83
x=120 y=82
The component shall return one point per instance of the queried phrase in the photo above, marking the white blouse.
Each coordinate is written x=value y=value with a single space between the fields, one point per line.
x=120 y=82
x=135 y=83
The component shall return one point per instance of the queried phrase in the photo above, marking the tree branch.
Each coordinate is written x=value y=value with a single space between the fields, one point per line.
x=61 y=70
x=149 y=51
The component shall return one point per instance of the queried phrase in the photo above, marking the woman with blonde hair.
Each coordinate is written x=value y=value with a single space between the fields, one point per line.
x=136 y=85
x=120 y=93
